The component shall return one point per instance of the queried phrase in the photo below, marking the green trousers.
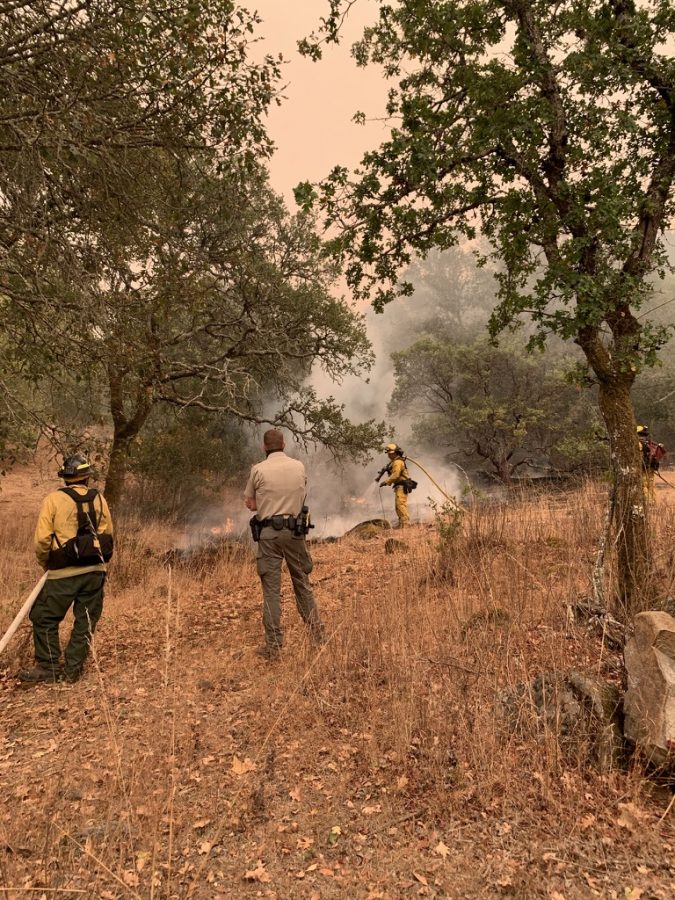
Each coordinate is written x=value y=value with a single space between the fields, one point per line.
x=85 y=594
x=273 y=548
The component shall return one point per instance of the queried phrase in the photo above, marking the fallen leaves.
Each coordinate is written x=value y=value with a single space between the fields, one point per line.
x=259 y=874
x=240 y=767
x=630 y=818
x=334 y=834
x=142 y=858
x=383 y=836
x=130 y=878
x=50 y=748
x=372 y=810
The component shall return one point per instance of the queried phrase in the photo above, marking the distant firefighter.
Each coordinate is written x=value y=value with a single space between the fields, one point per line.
x=652 y=454
x=400 y=480
x=73 y=542
x=276 y=492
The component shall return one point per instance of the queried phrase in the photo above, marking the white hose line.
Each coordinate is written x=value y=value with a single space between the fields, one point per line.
x=22 y=613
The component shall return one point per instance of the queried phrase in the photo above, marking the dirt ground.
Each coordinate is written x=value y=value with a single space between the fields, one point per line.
x=182 y=765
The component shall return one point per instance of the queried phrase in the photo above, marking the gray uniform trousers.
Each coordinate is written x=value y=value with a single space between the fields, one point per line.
x=273 y=548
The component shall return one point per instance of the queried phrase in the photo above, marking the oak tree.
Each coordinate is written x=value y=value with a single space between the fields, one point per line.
x=141 y=249
x=494 y=406
x=226 y=309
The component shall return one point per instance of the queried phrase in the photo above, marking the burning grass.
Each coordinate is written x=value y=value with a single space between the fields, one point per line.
x=380 y=766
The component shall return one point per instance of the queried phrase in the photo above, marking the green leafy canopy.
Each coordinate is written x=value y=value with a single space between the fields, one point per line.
x=548 y=127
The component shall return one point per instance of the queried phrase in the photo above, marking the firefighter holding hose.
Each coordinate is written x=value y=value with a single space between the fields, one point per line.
x=73 y=543
x=400 y=480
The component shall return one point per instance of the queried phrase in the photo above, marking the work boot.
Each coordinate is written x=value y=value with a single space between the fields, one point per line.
x=39 y=674
x=317 y=635
x=70 y=676
x=269 y=652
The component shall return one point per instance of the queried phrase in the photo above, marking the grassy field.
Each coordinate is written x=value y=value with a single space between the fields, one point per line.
x=379 y=766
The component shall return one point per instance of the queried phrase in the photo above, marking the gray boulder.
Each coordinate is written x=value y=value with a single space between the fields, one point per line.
x=584 y=714
x=649 y=703
x=368 y=529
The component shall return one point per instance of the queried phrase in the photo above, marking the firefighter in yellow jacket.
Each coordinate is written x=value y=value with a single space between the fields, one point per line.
x=399 y=479
x=73 y=542
x=652 y=453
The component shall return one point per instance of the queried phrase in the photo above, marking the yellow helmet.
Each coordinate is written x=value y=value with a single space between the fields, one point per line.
x=642 y=429
x=392 y=448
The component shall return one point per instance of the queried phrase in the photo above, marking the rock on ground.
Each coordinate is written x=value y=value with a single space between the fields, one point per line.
x=650 y=699
x=584 y=714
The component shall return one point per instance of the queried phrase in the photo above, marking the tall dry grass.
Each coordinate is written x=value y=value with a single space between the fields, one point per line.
x=397 y=714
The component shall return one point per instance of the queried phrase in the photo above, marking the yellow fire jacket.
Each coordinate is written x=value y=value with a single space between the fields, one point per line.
x=398 y=472
x=58 y=516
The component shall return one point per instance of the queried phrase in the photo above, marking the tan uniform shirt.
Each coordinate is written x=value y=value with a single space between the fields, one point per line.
x=278 y=485
x=58 y=516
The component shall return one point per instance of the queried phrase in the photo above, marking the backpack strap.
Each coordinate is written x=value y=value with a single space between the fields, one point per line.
x=88 y=520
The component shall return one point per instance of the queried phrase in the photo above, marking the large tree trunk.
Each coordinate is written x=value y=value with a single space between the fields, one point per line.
x=631 y=537
x=503 y=469
x=117 y=468
x=126 y=427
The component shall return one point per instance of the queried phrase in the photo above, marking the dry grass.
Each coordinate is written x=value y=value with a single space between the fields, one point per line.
x=377 y=767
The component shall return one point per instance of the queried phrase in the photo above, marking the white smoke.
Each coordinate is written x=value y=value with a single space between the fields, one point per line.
x=343 y=495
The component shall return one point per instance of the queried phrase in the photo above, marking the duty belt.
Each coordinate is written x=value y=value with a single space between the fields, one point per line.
x=279 y=522
x=299 y=525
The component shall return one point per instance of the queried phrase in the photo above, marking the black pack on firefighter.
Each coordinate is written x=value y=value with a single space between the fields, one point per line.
x=87 y=547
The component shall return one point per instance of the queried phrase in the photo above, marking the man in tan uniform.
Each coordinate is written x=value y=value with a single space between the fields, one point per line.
x=398 y=475
x=276 y=491
x=76 y=572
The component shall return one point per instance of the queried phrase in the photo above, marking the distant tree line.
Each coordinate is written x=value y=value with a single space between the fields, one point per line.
x=493 y=407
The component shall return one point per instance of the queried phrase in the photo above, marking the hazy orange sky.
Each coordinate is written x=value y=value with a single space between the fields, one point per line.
x=313 y=128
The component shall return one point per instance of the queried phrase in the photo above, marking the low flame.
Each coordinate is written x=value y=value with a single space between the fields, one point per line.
x=359 y=500
x=225 y=528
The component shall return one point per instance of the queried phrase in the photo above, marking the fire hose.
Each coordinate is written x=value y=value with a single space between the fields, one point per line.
x=22 y=613
x=665 y=480
x=436 y=484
